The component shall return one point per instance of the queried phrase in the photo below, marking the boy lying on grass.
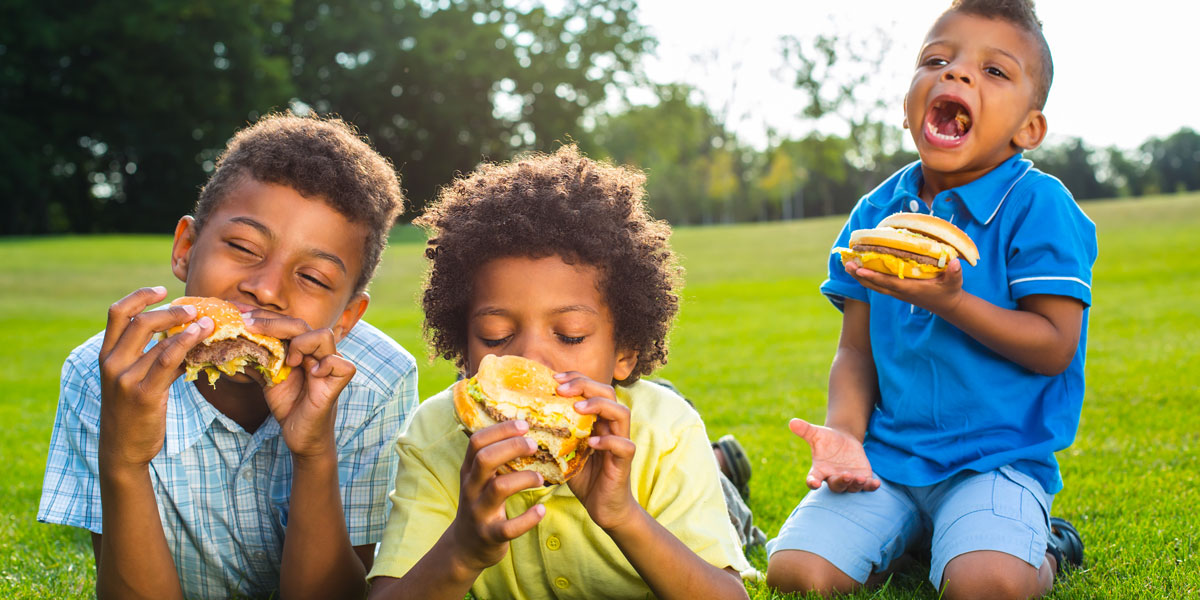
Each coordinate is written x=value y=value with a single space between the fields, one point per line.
x=554 y=258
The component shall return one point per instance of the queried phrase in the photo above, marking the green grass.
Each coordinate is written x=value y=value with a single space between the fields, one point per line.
x=752 y=347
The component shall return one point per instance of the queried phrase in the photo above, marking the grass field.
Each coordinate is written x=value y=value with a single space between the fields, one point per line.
x=752 y=347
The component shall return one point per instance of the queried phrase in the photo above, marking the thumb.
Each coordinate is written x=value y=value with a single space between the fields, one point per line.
x=804 y=429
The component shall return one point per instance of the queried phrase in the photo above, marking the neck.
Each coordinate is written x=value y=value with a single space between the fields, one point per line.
x=936 y=182
x=242 y=402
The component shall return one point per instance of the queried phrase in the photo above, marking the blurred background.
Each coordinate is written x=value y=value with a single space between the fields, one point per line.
x=113 y=112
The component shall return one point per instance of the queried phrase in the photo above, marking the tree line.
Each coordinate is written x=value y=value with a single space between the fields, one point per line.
x=112 y=113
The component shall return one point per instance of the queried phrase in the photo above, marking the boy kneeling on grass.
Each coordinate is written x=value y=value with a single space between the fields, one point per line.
x=554 y=258
x=211 y=491
x=956 y=391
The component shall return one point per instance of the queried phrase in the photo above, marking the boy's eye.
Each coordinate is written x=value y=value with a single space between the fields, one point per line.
x=239 y=247
x=935 y=62
x=995 y=72
x=566 y=339
x=490 y=343
x=314 y=280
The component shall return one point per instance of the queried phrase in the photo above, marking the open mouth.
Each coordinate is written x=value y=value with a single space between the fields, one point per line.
x=948 y=120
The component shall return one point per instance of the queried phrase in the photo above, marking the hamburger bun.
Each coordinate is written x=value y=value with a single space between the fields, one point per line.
x=910 y=245
x=511 y=387
x=230 y=348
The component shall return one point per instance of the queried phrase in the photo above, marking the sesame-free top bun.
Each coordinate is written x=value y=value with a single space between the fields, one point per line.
x=938 y=229
x=512 y=387
x=230 y=348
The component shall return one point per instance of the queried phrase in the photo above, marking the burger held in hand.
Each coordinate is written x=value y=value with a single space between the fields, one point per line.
x=909 y=246
x=230 y=348
x=507 y=388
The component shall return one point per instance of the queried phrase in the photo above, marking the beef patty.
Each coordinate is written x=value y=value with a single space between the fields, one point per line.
x=913 y=256
x=226 y=350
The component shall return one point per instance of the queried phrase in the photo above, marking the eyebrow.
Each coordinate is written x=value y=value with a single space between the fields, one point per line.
x=313 y=252
x=497 y=311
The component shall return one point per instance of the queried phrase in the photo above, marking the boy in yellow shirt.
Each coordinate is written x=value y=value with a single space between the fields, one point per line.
x=554 y=258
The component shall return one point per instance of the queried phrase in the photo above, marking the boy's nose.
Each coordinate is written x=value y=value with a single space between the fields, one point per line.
x=533 y=350
x=952 y=74
x=266 y=286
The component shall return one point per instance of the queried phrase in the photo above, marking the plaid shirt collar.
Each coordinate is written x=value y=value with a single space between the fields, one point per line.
x=189 y=416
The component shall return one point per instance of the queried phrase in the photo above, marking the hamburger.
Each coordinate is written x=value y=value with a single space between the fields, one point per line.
x=230 y=348
x=506 y=388
x=910 y=245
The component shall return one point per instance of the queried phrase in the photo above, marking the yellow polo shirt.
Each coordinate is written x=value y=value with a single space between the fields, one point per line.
x=567 y=555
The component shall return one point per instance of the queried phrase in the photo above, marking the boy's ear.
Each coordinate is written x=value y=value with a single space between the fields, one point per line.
x=350 y=315
x=181 y=249
x=1031 y=134
x=626 y=361
x=904 y=103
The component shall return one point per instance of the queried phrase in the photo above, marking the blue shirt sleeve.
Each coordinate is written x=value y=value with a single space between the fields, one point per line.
x=71 y=486
x=1052 y=247
x=840 y=285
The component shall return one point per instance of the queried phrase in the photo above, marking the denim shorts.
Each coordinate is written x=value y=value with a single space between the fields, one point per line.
x=862 y=533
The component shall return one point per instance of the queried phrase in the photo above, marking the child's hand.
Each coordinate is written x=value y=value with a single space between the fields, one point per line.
x=134 y=382
x=481 y=530
x=305 y=403
x=603 y=483
x=837 y=458
x=938 y=295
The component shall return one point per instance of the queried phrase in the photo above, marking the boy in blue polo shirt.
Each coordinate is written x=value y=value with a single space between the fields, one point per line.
x=948 y=397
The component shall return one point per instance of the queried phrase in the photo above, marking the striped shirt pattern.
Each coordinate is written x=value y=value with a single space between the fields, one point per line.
x=222 y=492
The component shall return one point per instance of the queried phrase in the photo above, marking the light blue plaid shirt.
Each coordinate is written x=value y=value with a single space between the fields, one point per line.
x=222 y=492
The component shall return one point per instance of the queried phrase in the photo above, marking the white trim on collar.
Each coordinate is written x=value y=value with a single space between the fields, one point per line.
x=1028 y=167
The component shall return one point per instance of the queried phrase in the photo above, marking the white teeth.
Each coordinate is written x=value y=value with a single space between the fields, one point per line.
x=941 y=136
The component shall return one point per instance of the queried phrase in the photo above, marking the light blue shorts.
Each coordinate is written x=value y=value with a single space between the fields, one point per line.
x=862 y=533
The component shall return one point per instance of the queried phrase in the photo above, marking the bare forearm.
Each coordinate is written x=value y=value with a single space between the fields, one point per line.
x=133 y=559
x=669 y=567
x=853 y=392
x=438 y=575
x=318 y=559
x=1030 y=339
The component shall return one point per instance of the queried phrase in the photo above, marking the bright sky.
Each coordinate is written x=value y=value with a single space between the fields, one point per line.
x=1124 y=71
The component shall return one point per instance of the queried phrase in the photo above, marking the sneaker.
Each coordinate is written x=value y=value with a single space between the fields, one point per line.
x=1065 y=545
x=736 y=465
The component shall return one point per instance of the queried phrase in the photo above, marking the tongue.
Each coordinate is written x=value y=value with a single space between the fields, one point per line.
x=953 y=124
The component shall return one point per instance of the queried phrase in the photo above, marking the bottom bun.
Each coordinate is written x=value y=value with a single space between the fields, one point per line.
x=890 y=264
x=553 y=471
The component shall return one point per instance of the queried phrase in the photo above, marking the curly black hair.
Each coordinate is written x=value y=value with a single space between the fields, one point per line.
x=562 y=204
x=319 y=157
x=1021 y=14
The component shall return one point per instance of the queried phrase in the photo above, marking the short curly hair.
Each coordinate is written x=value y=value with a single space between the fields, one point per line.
x=561 y=204
x=319 y=157
x=1019 y=13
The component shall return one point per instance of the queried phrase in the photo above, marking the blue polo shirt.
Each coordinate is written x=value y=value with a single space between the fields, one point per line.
x=947 y=403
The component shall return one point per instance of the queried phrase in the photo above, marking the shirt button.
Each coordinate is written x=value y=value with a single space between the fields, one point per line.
x=247 y=474
x=553 y=543
x=914 y=206
x=562 y=583
x=260 y=555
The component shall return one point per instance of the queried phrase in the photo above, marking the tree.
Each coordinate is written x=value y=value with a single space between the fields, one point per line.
x=113 y=113
x=1072 y=163
x=110 y=109
x=1175 y=161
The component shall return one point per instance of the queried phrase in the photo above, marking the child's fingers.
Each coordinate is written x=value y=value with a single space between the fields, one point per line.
x=141 y=327
x=511 y=529
x=502 y=486
x=121 y=311
x=333 y=366
x=317 y=343
x=619 y=446
x=614 y=414
x=483 y=462
x=163 y=363
x=574 y=383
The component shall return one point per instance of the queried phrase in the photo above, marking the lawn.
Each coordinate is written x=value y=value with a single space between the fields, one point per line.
x=752 y=348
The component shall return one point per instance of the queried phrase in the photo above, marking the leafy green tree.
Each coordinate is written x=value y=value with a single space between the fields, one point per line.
x=109 y=109
x=1073 y=163
x=1175 y=161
